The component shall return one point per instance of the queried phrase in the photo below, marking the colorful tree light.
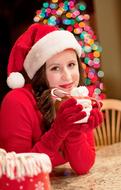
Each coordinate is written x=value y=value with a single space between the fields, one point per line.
x=71 y=16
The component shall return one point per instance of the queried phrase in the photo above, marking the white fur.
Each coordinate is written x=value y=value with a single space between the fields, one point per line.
x=51 y=44
x=15 y=80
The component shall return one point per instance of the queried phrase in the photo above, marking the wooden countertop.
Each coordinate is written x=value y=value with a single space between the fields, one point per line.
x=105 y=174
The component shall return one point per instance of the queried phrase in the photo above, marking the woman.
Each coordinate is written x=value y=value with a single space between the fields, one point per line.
x=48 y=58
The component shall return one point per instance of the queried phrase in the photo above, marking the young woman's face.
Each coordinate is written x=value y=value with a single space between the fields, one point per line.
x=62 y=70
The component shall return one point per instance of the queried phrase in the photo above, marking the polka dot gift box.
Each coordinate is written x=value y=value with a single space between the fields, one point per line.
x=24 y=171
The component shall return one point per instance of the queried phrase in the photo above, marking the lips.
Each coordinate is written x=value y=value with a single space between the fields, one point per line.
x=69 y=85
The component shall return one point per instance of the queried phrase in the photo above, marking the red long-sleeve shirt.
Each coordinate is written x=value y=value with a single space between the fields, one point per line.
x=21 y=131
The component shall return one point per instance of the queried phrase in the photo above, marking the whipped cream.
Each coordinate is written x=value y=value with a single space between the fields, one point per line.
x=81 y=91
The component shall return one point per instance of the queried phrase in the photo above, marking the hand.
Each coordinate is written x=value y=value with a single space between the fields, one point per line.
x=97 y=104
x=68 y=113
x=94 y=121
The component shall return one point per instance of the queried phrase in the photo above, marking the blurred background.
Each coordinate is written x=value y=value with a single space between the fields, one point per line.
x=105 y=19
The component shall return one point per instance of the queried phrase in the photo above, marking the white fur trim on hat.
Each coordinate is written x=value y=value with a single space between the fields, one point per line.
x=51 y=44
x=15 y=80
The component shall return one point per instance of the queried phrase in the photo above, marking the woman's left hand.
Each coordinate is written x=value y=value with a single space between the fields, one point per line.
x=94 y=120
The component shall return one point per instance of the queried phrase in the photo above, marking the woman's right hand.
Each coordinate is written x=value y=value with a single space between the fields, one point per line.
x=68 y=113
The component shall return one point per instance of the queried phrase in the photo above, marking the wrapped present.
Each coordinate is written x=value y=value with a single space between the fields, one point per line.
x=26 y=171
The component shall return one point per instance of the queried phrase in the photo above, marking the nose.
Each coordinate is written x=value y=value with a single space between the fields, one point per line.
x=66 y=75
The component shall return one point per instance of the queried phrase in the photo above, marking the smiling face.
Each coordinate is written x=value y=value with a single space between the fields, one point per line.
x=62 y=70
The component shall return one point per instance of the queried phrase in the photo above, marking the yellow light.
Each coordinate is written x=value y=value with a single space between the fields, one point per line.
x=76 y=31
x=82 y=24
x=45 y=21
x=96 y=54
x=90 y=41
x=54 y=1
x=59 y=11
x=83 y=66
x=68 y=15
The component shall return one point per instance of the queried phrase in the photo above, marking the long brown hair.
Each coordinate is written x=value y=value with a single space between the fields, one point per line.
x=43 y=97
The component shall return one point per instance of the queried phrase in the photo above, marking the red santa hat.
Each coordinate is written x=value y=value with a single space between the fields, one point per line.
x=34 y=47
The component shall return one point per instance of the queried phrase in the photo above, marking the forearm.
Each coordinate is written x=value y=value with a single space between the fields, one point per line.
x=50 y=144
x=80 y=152
x=20 y=140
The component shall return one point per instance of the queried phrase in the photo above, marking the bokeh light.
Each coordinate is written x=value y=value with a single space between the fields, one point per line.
x=72 y=16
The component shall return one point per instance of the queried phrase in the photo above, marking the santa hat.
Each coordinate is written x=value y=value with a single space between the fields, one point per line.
x=34 y=47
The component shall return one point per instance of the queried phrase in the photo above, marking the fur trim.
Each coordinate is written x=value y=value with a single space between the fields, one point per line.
x=48 y=46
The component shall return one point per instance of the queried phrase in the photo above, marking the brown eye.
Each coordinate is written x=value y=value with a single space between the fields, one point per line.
x=71 y=65
x=55 y=68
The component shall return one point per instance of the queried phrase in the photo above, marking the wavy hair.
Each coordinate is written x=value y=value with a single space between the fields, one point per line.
x=43 y=96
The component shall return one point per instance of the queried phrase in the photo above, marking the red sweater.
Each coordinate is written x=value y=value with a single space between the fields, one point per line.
x=21 y=131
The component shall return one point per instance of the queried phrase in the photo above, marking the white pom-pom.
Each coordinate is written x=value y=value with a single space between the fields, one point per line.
x=15 y=80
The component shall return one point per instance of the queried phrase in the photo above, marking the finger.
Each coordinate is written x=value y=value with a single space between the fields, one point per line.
x=97 y=104
x=76 y=117
x=91 y=122
x=67 y=104
x=95 y=118
x=101 y=104
x=72 y=110
x=97 y=114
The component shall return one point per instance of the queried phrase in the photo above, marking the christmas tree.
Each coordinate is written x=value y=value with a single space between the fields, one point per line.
x=72 y=16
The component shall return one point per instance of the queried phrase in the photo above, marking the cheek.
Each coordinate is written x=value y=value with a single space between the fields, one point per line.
x=53 y=80
x=76 y=76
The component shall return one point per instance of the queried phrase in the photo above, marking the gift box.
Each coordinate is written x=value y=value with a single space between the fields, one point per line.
x=28 y=171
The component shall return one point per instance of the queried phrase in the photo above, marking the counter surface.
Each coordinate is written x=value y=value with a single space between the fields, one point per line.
x=104 y=175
